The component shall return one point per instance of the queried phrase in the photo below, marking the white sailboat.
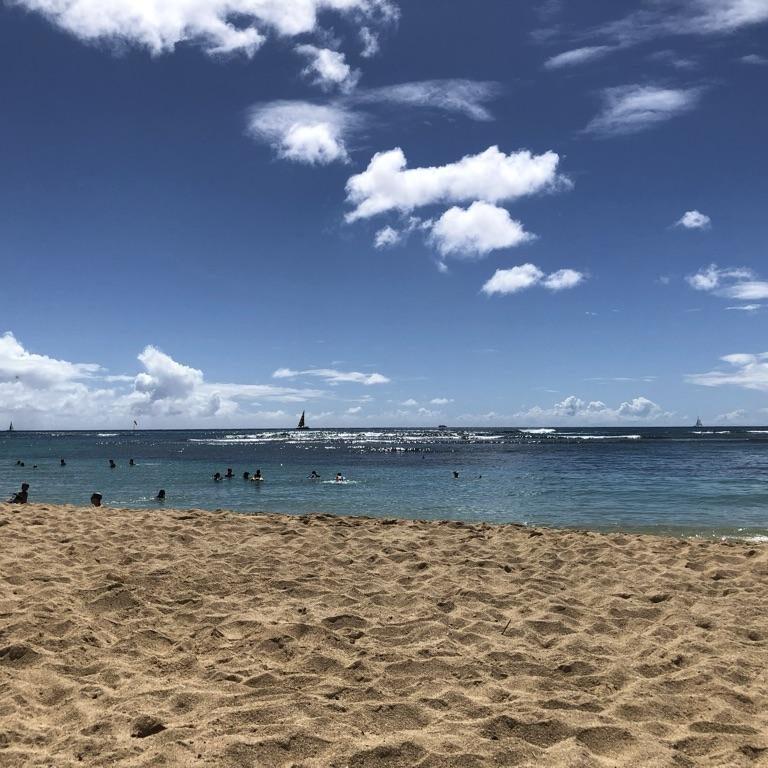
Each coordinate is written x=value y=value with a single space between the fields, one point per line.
x=698 y=423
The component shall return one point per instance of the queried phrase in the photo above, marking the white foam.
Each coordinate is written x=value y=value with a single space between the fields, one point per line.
x=107 y=434
x=546 y=431
x=758 y=431
x=599 y=437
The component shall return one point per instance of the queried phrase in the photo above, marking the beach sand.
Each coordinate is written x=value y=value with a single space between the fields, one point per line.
x=190 y=638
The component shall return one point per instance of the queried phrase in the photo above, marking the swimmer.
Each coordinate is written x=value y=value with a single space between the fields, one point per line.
x=230 y=474
x=112 y=464
x=160 y=495
x=455 y=475
x=217 y=477
x=131 y=463
x=314 y=476
x=62 y=463
x=340 y=478
x=20 y=497
x=257 y=476
x=96 y=499
x=246 y=475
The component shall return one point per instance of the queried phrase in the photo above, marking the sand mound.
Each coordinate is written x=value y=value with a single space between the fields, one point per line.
x=138 y=638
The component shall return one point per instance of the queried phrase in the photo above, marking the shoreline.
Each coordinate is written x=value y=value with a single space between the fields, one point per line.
x=315 y=640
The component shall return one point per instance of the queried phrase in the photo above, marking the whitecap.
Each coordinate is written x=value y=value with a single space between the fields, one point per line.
x=544 y=431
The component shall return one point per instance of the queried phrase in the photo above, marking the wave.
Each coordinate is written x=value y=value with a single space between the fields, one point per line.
x=758 y=431
x=543 y=431
x=107 y=434
x=598 y=437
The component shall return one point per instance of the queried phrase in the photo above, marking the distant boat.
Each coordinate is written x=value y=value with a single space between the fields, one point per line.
x=441 y=426
x=698 y=423
x=301 y=424
x=10 y=428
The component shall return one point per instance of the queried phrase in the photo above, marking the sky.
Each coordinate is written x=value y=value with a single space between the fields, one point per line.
x=498 y=213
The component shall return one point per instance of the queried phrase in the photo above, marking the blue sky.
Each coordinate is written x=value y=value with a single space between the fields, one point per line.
x=431 y=212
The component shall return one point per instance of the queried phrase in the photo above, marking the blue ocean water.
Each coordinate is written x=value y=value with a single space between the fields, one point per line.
x=708 y=482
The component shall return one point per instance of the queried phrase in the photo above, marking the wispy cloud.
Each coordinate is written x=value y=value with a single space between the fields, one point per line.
x=633 y=108
x=754 y=59
x=748 y=371
x=332 y=376
x=577 y=56
x=739 y=283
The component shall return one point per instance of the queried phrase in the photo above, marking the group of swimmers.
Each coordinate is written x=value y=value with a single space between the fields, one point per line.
x=257 y=477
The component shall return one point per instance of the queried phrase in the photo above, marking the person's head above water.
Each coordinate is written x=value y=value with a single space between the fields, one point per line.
x=455 y=474
x=96 y=499
x=161 y=495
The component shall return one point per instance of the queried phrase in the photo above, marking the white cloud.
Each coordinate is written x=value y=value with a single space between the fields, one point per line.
x=694 y=220
x=755 y=59
x=218 y=26
x=440 y=401
x=354 y=409
x=574 y=409
x=633 y=108
x=563 y=279
x=303 y=132
x=370 y=41
x=492 y=176
x=333 y=376
x=329 y=69
x=747 y=307
x=409 y=403
x=577 y=56
x=35 y=371
x=477 y=230
x=738 y=415
x=748 y=371
x=38 y=391
x=467 y=97
x=386 y=237
x=516 y=279
x=739 y=283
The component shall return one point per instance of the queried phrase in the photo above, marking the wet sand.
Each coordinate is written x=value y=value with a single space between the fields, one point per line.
x=191 y=638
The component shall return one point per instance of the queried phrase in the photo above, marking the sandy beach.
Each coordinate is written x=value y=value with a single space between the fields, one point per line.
x=191 y=638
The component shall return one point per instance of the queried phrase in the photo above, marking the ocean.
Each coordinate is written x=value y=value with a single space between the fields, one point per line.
x=709 y=482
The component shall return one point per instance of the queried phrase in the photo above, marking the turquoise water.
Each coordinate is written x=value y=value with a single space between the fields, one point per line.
x=682 y=481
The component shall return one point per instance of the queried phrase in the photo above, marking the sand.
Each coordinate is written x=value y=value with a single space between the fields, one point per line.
x=190 y=638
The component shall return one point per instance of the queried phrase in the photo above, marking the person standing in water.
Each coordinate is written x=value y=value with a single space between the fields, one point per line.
x=96 y=499
x=160 y=495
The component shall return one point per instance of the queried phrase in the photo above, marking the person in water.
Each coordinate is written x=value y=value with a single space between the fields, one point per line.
x=246 y=475
x=217 y=477
x=160 y=495
x=131 y=463
x=230 y=474
x=20 y=497
x=455 y=475
x=96 y=499
x=62 y=463
x=257 y=476
x=314 y=475
x=112 y=464
x=340 y=478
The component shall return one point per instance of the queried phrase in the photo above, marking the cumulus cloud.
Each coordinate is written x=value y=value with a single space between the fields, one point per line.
x=577 y=56
x=694 y=220
x=440 y=401
x=477 y=230
x=739 y=283
x=218 y=26
x=574 y=409
x=327 y=68
x=386 y=237
x=748 y=371
x=333 y=376
x=44 y=392
x=467 y=97
x=491 y=176
x=354 y=409
x=301 y=131
x=633 y=108
x=516 y=279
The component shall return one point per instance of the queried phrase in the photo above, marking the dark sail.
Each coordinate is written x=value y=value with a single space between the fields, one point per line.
x=301 y=424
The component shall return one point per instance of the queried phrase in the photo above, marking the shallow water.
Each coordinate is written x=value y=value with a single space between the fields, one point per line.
x=708 y=482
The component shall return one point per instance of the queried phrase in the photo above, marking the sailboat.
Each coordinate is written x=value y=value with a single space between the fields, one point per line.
x=698 y=423
x=10 y=428
x=301 y=424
